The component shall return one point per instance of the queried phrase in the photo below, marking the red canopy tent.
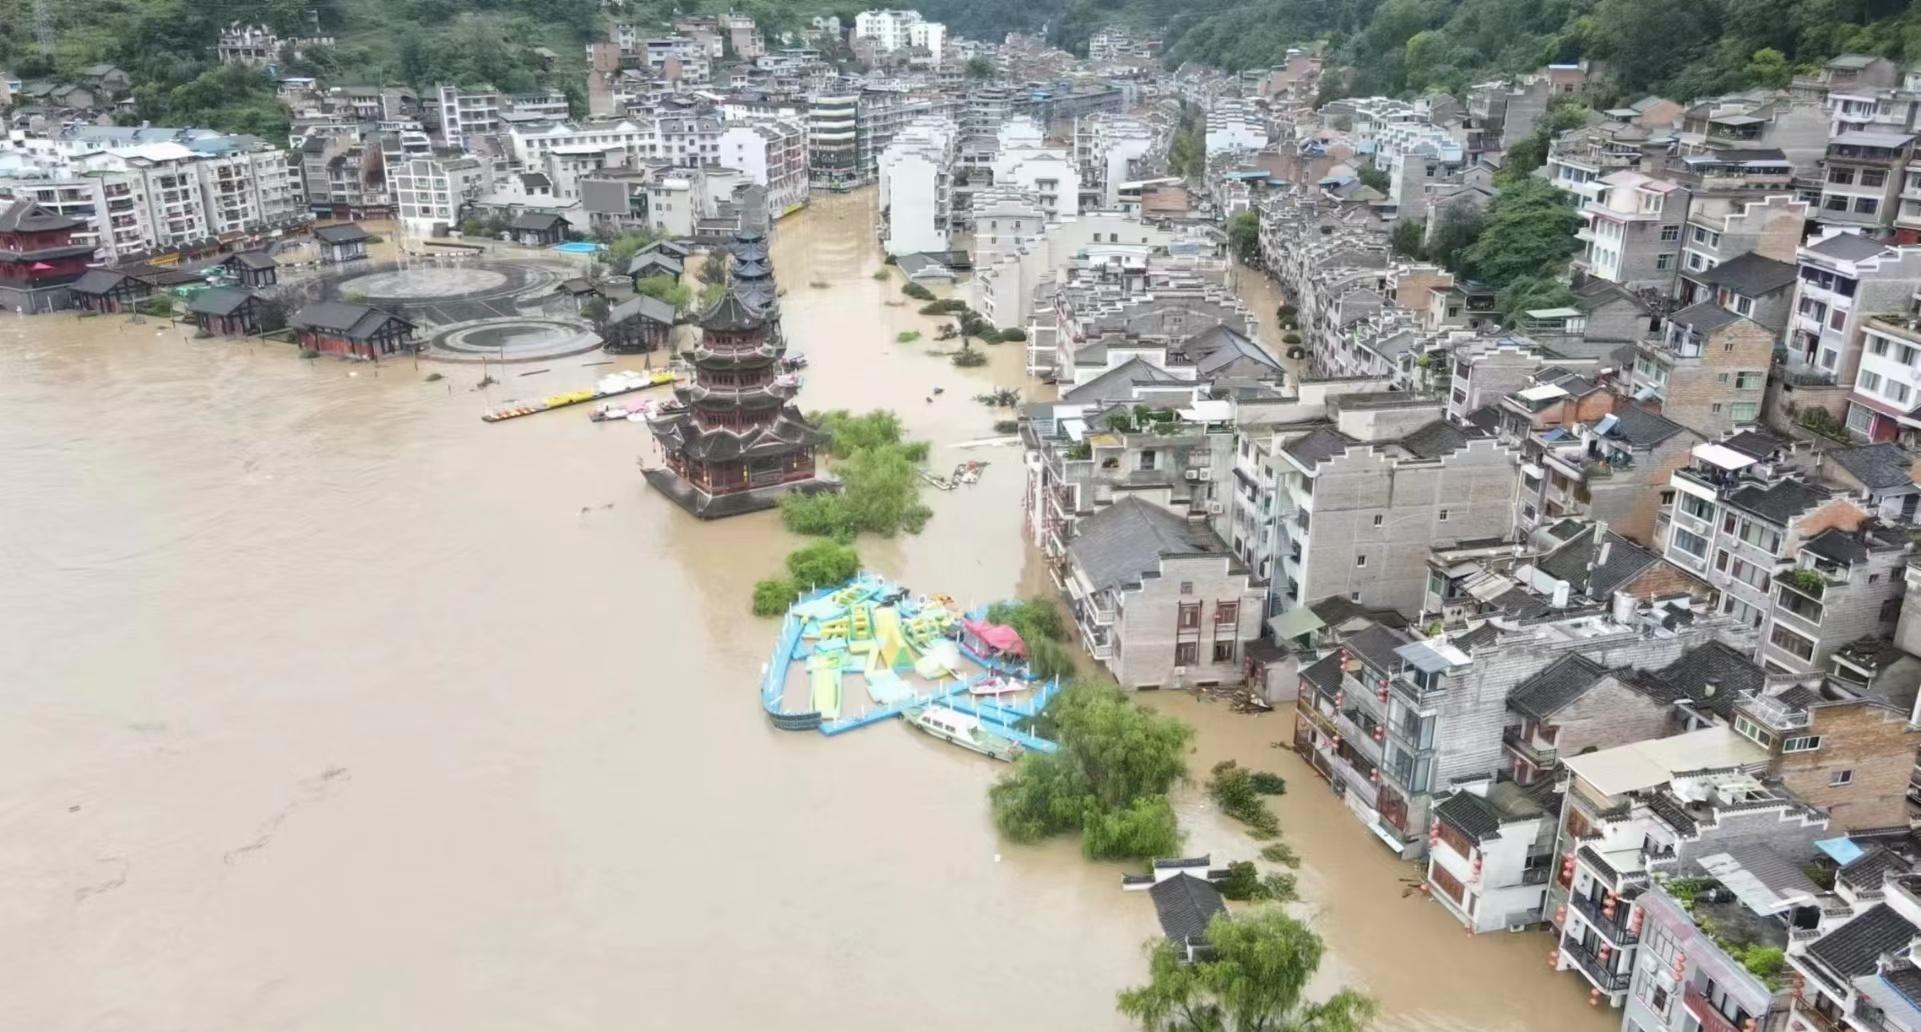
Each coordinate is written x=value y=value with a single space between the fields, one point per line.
x=998 y=639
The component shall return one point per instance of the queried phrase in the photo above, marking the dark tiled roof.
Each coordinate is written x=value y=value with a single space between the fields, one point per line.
x=254 y=260
x=354 y=322
x=1640 y=427
x=1855 y=947
x=537 y=222
x=1127 y=540
x=346 y=234
x=1376 y=644
x=1848 y=247
x=1750 y=275
x=1317 y=447
x=642 y=306
x=645 y=262
x=1876 y=466
x=1666 y=808
x=1866 y=870
x=1486 y=418
x=732 y=315
x=99 y=281
x=1474 y=816
x=1687 y=677
x=1906 y=980
x=1118 y=383
x=24 y=216
x=1838 y=545
x=1435 y=440
x=1555 y=686
x=1756 y=443
x=1479 y=636
x=1625 y=561
x=1706 y=317
x=1324 y=673
x=1185 y=904
x=220 y=301
x=1780 y=501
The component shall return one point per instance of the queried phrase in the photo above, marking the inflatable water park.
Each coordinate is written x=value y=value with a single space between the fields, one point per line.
x=868 y=652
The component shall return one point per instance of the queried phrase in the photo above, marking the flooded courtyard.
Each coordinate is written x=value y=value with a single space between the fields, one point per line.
x=327 y=706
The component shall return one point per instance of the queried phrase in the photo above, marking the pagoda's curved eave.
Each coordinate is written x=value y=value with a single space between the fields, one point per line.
x=758 y=359
x=753 y=398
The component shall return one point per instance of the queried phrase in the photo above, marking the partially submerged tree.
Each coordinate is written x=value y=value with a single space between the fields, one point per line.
x=1255 y=982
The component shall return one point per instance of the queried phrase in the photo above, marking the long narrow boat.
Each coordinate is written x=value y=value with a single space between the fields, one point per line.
x=962 y=729
x=611 y=385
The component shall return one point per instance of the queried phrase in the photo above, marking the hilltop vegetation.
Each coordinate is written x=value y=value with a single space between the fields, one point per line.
x=1680 y=48
x=168 y=48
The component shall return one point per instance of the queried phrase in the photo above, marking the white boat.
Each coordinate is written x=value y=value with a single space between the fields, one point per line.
x=962 y=729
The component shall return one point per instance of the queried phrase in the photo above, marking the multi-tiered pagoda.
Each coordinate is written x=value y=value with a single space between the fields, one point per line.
x=734 y=442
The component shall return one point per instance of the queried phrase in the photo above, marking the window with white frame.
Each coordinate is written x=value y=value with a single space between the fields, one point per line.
x=1868 y=381
x=1840 y=778
x=1802 y=743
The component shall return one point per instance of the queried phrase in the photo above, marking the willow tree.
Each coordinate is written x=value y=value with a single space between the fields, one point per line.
x=1256 y=981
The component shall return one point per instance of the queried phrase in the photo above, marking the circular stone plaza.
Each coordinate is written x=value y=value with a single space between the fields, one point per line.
x=472 y=308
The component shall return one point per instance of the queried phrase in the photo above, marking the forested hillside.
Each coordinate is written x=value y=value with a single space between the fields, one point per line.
x=1683 y=48
x=167 y=46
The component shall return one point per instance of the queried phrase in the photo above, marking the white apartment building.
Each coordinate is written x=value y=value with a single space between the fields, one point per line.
x=833 y=130
x=464 y=112
x=1844 y=279
x=916 y=188
x=889 y=30
x=1416 y=156
x=1112 y=150
x=1049 y=173
x=1234 y=125
x=148 y=197
x=772 y=152
x=428 y=192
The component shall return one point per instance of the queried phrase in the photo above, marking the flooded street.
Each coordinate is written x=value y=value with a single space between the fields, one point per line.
x=326 y=706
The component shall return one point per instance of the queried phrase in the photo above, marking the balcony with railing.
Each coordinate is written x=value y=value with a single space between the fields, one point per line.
x=1697 y=1005
x=1615 y=929
x=1598 y=971
x=1527 y=748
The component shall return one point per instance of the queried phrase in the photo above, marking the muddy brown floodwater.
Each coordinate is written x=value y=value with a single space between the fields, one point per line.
x=326 y=706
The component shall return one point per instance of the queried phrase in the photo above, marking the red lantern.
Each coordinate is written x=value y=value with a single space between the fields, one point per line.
x=1380 y=733
x=1634 y=921
x=1554 y=957
x=1340 y=697
x=1383 y=692
x=1594 y=997
x=1560 y=914
x=1374 y=775
x=1604 y=951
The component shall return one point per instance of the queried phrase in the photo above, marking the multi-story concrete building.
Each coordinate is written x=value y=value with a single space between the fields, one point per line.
x=1160 y=600
x=773 y=153
x=466 y=111
x=1233 y=126
x=1862 y=175
x=658 y=198
x=1885 y=404
x=429 y=192
x=1633 y=231
x=1708 y=370
x=1856 y=967
x=1418 y=160
x=1741 y=521
x=1611 y=469
x=1682 y=805
x=916 y=187
x=1048 y=174
x=1846 y=746
x=1844 y=278
x=248 y=45
x=1488 y=857
x=833 y=160
x=1400 y=718
x=1367 y=496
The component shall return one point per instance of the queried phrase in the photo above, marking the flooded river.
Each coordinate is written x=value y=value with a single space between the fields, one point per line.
x=326 y=706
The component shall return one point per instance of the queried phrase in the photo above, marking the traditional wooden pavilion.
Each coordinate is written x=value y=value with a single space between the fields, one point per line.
x=226 y=311
x=351 y=330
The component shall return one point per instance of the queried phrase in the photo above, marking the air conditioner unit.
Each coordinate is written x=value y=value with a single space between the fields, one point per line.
x=1193 y=474
x=1207 y=474
x=1214 y=508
